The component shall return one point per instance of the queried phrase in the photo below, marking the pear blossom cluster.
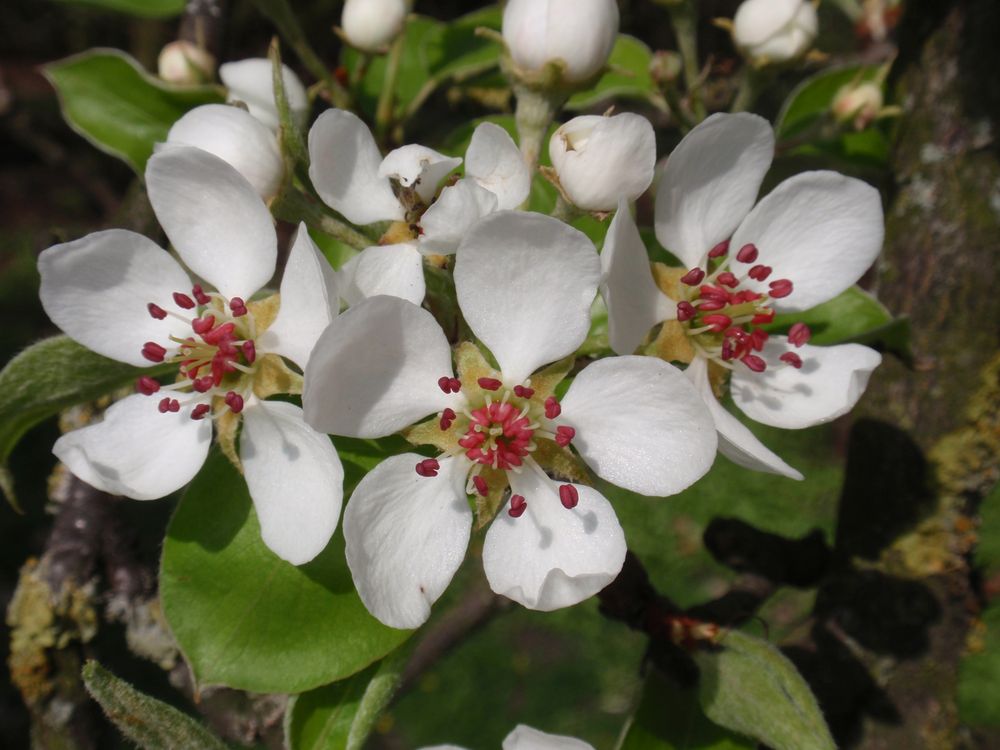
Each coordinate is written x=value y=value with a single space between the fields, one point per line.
x=510 y=429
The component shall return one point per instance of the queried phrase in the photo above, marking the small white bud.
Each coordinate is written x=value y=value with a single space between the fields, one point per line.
x=775 y=31
x=600 y=159
x=183 y=63
x=371 y=25
x=580 y=33
x=859 y=103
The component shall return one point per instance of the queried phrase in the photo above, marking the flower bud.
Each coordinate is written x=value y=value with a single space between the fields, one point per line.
x=601 y=159
x=578 y=33
x=182 y=63
x=775 y=31
x=371 y=25
x=858 y=103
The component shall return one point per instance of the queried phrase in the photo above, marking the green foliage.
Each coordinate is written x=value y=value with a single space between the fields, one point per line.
x=48 y=377
x=249 y=620
x=628 y=77
x=748 y=686
x=111 y=101
x=144 y=8
x=150 y=723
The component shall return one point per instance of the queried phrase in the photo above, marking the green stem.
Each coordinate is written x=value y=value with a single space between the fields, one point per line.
x=534 y=114
x=752 y=82
x=387 y=96
x=293 y=206
x=685 y=21
x=377 y=696
x=564 y=210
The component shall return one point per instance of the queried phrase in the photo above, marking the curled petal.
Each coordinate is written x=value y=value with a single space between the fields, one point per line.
x=494 y=161
x=418 y=167
x=406 y=536
x=395 y=270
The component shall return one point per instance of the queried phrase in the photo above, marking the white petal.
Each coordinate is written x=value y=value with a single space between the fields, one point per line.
x=252 y=82
x=236 y=137
x=374 y=371
x=372 y=24
x=640 y=424
x=757 y=20
x=396 y=270
x=310 y=299
x=525 y=284
x=736 y=442
x=601 y=159
x=821 y=230
x=214 y=217
x=635 y=303
x=136 y=451
x=419 y=167
x=710 y=183
x=829 y=384
x=454 y=212
x=97 y=288
x=295 y=479
x=494 y=161
x=406 y=536
x=343 y=167
x=551 y=557
x=525 y=738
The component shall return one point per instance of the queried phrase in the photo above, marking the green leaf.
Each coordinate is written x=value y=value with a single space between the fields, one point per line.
x=459 y=53
x=145 y=8
x=150 y=723
x=987 y=553
x=812 y=99
x=48 y=377
x=669 y=718
x=978 y=687
x=111 y=101
x=249 y=620
x=628 y=78
x=748 y=686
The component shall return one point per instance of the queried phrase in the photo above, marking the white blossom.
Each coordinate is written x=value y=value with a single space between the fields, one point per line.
x=371 y=25
x=775 y=31
x=186 y=64
x=251 y=81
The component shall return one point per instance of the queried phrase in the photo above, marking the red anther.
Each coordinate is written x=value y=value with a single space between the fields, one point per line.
x=685 y=311
x=199 y=295
x=713 y=292
x=759 y=273
x=717 y=322
x=444 y=383
x=569 y=496
x=447 y=417
x=183 y=300
x=711 y=304
x=238 y=306
x=728 y=279
x=727 y=350
x=745 y=296
x=201 y=326
x=763 y=318
x=523 y=392
x=249 y=350
x=217 y=335
x=164 y=405
x=481 y=486
x=791 y=358
x=719 y=250
x=737 y=333
x=758 y=338
x=564 y=435
x=552 y=408
x=428 y=467
x=754 y=362
x=799 y=334
x=146 y=385
x=747 y=254
x=780 y=288
x=693 y=277
x=153 y=351
x=156 y=311
x=517 y=506
x=202 y=385
x=489 y=384
x=234 y=401
x=200 y=411
x=456 y=385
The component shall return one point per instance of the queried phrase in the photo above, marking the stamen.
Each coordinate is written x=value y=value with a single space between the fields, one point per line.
x=693 y=277
x=234 y=401
x=718 y=322
x=569 y=496
x=204 y=384
x=218 y=335
x=153 y=351
x=201 y=326
x=754 y=362
x=719 y=250
x=747 y=254
x=763 y=318
x=523 y=392
x=481 y=487
x=552 y=408
x=791 y=358
x=685 y=311
x=238 y=307
x=428 y=467
x=449 y=385
x=169 y=404
x=184 y=301
x=758 y=338
x=447 y=417
x=147 y=386
x=489 y=384
x=780 y=288
x=517 y=506
x=728 y=279
x=156 y=311
x=249 y=351
x=200 y=411
x=711 y=304
x=759 y=273
x=199 y=295
x=714 y=293
x=799 y=334
x=564 y=435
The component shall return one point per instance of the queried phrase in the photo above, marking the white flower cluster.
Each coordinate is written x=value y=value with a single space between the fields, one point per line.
x=513 y=427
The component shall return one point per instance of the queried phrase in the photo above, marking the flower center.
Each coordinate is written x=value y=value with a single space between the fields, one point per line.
x=216 y=361
x=723 y=319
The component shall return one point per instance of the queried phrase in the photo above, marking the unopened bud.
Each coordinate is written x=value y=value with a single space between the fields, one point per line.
x=185 y=63
x=858 y=104
x=371 y=25
x=665 y=67
x=775 y=31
